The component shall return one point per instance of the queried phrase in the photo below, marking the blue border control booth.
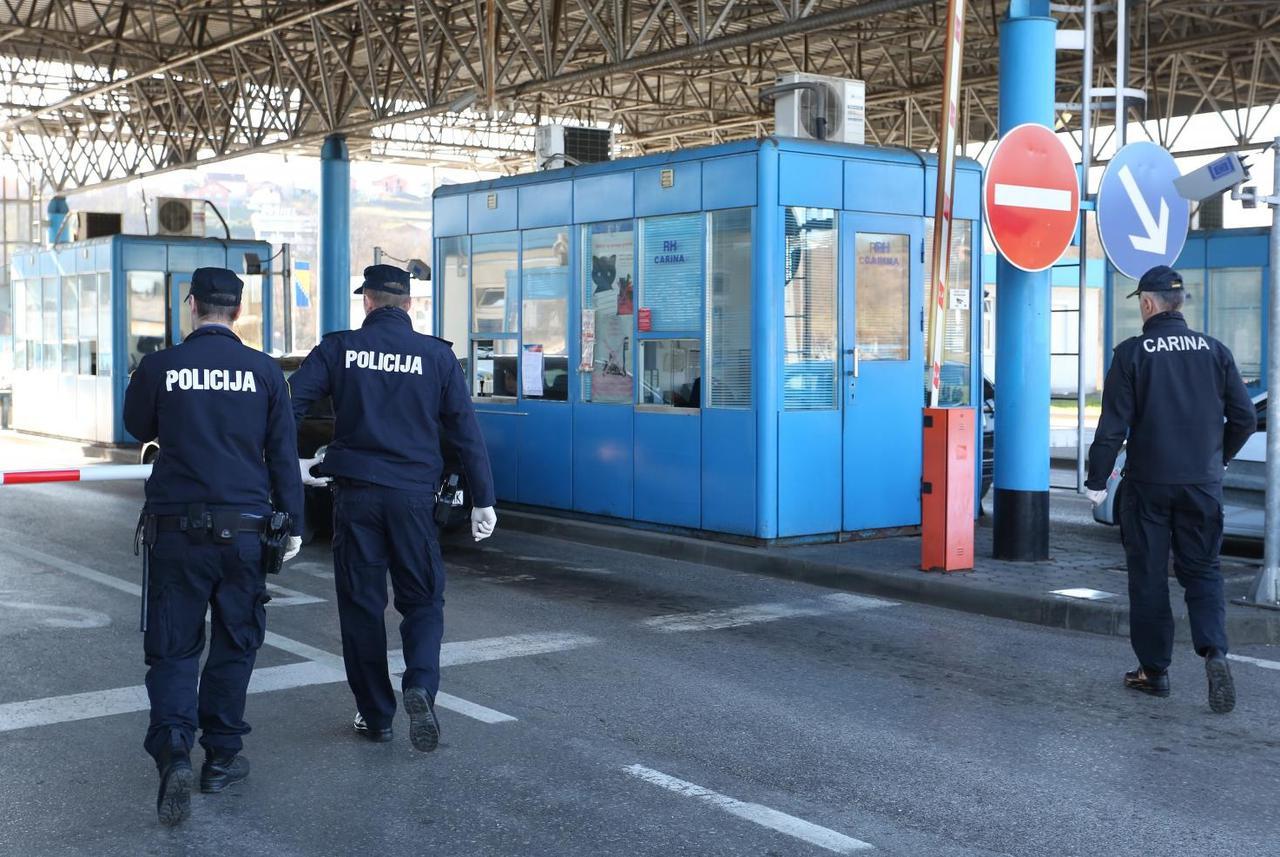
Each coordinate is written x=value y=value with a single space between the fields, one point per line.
x=727 y=340
x=85 y=313
x=1225 y=273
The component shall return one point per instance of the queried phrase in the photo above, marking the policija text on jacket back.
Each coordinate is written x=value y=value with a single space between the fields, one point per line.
x=227 y=465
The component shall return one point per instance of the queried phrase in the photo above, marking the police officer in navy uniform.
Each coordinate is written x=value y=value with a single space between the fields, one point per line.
x=1177 y=396
x=228 y=457
x=397 y=396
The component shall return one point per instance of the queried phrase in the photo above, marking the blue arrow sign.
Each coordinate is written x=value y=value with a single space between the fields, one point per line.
x=1142 y=220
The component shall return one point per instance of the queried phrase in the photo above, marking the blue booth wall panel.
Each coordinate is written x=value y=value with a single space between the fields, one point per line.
x=967 y=204
x=883 y=188
x=48 y=264
x=1192 y=255
x=810 y=180
x=86 y=258
x=482 y=218
x=186 y=257
x=24 y=265
x=729 y=182
x=546 y=454
x=143 y=256
x=603 y=449
x=604 y=197
x=809 y=469
x=449 y=215
x=549 y=204
x=64 y=261
x=668 y=466
x=502 y=437
x=105 y=253
x=685 y=193
x=1236 y=251
x=728 y=471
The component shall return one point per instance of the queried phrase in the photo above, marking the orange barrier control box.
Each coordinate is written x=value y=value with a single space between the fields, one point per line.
x=947 y=489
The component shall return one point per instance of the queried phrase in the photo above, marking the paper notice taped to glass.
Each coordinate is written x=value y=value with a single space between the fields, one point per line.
x=531 y=370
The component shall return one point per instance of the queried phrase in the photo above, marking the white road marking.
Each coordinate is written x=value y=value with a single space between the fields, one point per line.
x=281 y=597
x=1257 y=662
x=1030 y=196
x=471 y=709
x=62 y=617
x=735 y=617
x=762 y=815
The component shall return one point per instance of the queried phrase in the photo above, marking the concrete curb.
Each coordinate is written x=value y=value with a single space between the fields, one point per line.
x=969 y=593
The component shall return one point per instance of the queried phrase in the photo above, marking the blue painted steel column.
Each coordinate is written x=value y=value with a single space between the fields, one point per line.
x=766 y=332
x=57 y=211
x=335 y=235
x=1021 y=490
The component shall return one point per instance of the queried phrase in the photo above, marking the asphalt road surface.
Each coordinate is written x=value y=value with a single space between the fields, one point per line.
x=601 y=703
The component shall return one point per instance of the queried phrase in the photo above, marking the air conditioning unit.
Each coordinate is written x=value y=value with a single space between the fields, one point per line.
x=563 y=145
x=828 y=108
x=95 y=224
x=176 y=216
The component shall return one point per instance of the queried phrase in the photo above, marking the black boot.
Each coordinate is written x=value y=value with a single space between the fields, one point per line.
x=378 y=736
x=1222 y=688
x=221 y=770
x=424 y=729
x=1148 y=681
x=173 y=802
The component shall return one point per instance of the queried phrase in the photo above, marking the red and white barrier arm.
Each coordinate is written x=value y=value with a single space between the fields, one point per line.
x=92 y=473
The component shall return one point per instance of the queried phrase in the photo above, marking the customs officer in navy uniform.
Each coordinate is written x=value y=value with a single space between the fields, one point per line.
x=1177 y=396
x=228 y=460
x=397 y=396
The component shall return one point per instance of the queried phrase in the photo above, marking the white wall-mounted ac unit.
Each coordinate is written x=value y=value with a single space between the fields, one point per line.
x=548 y=146
x=798 y=113
x=175 y=216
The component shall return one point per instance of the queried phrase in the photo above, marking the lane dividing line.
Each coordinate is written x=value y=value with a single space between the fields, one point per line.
x=1257 y=662
x=751 y=614
x=789 y=825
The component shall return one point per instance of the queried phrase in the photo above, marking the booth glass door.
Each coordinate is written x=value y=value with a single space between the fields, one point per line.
x=883 y=353
x=179 y=313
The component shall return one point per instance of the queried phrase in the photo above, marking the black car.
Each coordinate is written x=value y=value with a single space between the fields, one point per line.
x=314 y=433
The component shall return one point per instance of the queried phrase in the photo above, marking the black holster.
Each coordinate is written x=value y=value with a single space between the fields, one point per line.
x=275 y=537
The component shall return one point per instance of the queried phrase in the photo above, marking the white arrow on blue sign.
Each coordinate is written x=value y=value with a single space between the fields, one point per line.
x=1142 y=219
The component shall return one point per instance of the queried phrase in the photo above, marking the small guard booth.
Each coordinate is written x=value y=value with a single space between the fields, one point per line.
x=727 y=340
x=85 y=313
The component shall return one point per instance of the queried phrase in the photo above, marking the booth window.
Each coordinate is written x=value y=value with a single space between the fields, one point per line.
x=495 y=370
x=608 y=312
x=729 y=309
x=35 y=329
x=88 y=324
x=670 y=372
x=250 y=325
x=105 y=325
x=882 y=289
x=1235 y=310
x=454 y=280
x=1126 y=316
x=544 y=293
x=494 y=289
x=70 y=325
x=17 y=297
x=49 y=316
x=146 y=328
x=671 y=277
x=955 y=387
x=809 y=375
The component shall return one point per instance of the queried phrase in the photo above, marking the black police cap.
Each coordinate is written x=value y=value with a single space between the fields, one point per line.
x=216 y=286
x=385 y=278
x=1161 y=278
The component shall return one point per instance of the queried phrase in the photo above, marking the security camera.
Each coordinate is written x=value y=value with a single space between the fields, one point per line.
x=1213 y=178
x=419 y=269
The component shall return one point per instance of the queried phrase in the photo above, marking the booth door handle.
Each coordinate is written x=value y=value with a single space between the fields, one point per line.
x=857 y=361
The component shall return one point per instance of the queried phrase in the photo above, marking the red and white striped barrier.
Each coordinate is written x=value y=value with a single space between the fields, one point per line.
x=93 y=473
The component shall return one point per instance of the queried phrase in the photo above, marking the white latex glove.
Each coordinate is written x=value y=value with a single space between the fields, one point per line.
x=482 y=522
x=1095 y=497
x=305 y=464
x=295 y=545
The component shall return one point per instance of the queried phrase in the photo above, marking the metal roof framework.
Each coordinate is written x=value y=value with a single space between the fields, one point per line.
x=101 y=91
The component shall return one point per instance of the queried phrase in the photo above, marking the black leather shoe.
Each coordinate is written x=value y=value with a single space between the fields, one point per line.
x=221 y=770
x=173 y=802
x=1222 y=688
x=1154 y=684
x=377 y=736
x=424 y=729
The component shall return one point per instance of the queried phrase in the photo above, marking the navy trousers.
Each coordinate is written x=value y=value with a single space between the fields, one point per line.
x=186 y=580
x=1188 y=519
x=376 y=529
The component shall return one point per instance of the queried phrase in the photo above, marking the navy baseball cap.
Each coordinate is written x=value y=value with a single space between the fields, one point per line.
x=216 y=286
x=1161 y=278
x=385 y=278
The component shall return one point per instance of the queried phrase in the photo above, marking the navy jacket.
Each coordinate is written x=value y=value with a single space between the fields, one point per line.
x=397 y=395
x=1177 y=395
x=221 y=412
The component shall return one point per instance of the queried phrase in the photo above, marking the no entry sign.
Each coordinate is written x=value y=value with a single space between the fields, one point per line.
x=1032 y=197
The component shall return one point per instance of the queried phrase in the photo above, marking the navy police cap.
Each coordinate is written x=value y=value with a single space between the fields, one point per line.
x=385 y=278
x=1161 y=278
x=216 y=286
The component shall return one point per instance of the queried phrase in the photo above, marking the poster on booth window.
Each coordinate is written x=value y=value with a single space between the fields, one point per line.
x=531 y=370
x=612 y=306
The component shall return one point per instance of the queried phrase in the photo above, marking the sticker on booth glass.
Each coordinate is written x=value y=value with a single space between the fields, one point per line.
x=644 y=320
x=531 y=370
x=959 y=298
